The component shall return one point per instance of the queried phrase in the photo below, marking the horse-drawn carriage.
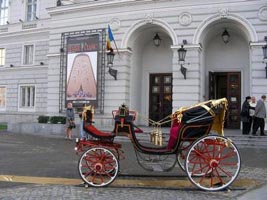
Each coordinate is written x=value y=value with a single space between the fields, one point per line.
x=211 y=161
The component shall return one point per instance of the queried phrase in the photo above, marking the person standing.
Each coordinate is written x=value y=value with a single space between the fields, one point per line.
x=70 y=121
x=245 y=117
x=260 y=114
x=252 y=111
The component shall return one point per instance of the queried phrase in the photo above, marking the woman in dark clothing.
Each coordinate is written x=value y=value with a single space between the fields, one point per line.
x=245 y=117
x=70 y=121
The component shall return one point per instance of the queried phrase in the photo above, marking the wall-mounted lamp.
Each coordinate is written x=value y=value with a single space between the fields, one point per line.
x=59 y=3
x=21 y=21
x=7 y=22
x=36 y=17
x=41 y=63
x=110 y=59
x=61 y=50
x=157 y=40
x=225 y=36
x=181 y=54
x=264 y=48
x=11 y=65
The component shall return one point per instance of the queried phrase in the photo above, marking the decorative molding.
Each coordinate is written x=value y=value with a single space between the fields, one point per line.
x=223 y=12
x=245 y=25
x=262 y=14
x=257 y=44
x=168 y=29
x=115 y=24
x=185 y=19
x=4 y=29
x=29 y=25
x=187 y=46
x=149 y=19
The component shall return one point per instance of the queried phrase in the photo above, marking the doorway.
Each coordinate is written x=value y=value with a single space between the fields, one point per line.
x=227 y=84
x=160 y=96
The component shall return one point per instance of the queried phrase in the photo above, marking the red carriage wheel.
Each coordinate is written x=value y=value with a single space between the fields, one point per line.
x=98 y=167
x=212 y=163
x=181 y=156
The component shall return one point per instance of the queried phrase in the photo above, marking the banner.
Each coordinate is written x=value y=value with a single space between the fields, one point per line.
x=82 y=53
x=2 y=97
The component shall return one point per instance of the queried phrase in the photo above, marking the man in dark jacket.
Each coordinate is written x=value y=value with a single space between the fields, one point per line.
x=245 y=117
x=260 y=114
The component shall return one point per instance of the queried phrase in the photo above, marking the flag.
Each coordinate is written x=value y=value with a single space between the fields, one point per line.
x=110 y=38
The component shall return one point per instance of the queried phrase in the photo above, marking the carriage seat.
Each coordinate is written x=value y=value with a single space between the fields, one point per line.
x=93 y=131
x=174 y=135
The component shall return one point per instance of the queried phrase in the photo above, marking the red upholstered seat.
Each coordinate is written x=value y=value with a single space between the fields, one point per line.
x=174 y=135
x=95 y=132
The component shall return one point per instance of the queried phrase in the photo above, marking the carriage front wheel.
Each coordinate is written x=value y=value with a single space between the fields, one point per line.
x=98 y=166
x=218 y=160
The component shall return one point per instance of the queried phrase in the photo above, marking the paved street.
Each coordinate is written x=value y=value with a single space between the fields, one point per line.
x=34 y=157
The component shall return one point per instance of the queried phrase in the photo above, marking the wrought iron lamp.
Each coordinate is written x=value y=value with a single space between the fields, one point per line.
x=225 y=36
x=181 y=54
x=157 y=40
x=110 y=59
x=264 y=48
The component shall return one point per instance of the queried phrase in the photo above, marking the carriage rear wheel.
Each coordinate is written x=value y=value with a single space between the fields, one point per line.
x=181 y=156
x=98 y=167
x=217 y=159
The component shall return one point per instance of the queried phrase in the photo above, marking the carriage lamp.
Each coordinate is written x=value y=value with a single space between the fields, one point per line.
x=264 y=48
x=157 y=40
x=181 y=53
x=225 y=36
x=110 y=57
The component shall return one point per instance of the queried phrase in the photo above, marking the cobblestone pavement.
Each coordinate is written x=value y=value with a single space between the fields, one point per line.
x=256 y=173
x=43 y=192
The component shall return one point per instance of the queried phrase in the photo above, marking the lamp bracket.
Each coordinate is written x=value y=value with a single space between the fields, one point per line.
x=183 y=71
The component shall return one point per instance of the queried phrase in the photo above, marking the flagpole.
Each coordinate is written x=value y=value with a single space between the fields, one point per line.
x=116 y=47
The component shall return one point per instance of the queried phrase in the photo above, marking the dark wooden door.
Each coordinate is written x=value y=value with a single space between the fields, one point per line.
x=160 y=96
x=234 y=99
x=228 y=85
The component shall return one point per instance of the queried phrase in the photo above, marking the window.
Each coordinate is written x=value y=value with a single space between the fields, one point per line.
x=3 y=12
x=2 y=57
x=28 y=55
x=31 y=10
x=2 y=97
x=27 y=97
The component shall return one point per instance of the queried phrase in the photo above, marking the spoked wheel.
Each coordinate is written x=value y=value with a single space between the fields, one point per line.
x=217 y=159
x=184 y=146
x=98 y=167
x=181 y=157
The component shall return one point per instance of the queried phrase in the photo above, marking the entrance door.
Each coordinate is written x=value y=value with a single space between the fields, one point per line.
x=227 y=84
x=160 y=96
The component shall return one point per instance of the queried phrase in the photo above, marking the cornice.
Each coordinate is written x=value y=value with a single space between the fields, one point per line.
x=3 y=69
x=187 y=46
x=163 y=5
x=95 y=5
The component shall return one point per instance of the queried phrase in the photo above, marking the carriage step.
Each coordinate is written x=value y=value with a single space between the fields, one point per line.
x=157 y=168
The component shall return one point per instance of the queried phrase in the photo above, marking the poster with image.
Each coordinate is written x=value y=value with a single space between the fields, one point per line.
x=82 y=53
x=2 y=97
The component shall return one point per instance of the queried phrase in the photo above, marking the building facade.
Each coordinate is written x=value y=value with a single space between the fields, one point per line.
x=33 y=44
